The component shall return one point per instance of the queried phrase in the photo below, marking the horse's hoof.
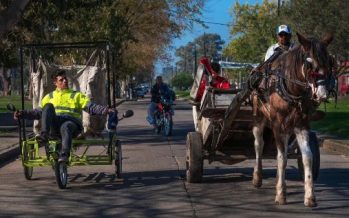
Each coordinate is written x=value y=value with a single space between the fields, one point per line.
x=310 y=202
x=280 y=200
x=257 y=179
x=257 y=183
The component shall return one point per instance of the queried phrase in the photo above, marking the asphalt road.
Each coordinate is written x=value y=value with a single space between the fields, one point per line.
x=153 y=183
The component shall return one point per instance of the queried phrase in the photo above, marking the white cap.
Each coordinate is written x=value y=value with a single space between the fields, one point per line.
x=283 y=28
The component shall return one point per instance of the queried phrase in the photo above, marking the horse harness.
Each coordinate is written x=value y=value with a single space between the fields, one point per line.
x=276 y=81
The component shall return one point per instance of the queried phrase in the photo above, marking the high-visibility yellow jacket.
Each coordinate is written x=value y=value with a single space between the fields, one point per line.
x=66 y=101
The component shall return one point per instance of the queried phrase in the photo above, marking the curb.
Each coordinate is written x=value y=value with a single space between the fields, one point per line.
x=339 y=146
x=10 y=153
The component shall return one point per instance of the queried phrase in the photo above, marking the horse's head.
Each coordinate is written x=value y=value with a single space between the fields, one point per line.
x=317 y=64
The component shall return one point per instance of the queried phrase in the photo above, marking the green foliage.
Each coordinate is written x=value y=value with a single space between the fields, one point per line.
x=336 y=120
x=253 y=31
x=205 y=45
x=316 y=17
x=183 y=94
x=139 y=30
x=13 y=99
x=182 y=81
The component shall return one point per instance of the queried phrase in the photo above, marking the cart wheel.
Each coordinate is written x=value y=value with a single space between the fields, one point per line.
x=61 y=174
x=168 y=124
x=118 y=159
x=27 y=154
x=315 y=150
x=194 y=159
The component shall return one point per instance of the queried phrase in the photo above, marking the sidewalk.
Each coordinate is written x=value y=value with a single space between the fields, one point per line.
x=9 y=142
x=9 y=147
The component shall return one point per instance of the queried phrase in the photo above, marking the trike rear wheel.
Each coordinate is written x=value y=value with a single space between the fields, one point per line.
x=28 y=154
x=61 y=173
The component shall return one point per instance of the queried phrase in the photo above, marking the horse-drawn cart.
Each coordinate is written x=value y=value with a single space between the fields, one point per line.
x=223 y=120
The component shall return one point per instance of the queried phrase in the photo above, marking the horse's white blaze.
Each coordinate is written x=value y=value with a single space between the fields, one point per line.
x=303 y=142
x=321 y=92
x=321 y=71
x=310 y=60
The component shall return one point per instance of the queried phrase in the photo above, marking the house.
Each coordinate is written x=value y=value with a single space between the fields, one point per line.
x=343 y=80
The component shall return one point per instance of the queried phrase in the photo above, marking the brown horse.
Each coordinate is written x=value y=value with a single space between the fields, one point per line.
x=295 y=88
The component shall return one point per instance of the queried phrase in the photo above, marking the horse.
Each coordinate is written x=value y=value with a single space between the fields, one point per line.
x=295 y=88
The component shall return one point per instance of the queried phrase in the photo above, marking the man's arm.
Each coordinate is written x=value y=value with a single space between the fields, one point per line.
x=95 y=109
x=92 y=108
x=28 y=114
x=269 y=53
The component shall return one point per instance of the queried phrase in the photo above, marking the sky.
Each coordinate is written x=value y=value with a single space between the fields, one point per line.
x=215 y=11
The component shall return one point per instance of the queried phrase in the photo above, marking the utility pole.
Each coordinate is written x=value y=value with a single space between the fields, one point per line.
x=204 y=44
x=195 y=59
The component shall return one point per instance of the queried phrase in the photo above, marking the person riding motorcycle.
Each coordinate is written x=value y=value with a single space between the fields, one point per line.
x=160 y=89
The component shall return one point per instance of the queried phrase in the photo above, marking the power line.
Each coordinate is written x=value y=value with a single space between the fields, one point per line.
x=209 y=22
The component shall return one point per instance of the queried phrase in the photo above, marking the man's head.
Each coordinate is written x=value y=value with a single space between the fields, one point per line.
x=60 y=80
x=284 y=35
x=158 y=80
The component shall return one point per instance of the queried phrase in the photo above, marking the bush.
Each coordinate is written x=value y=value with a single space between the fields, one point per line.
x=182 y=81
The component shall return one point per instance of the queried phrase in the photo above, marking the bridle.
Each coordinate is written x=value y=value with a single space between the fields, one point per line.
x=312 y=79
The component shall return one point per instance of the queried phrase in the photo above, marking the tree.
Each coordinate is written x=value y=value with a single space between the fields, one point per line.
x=316 y=17
x=182 y=81
x=205 y=45
x=140 y=30
x=11 y=15
x=253 y=31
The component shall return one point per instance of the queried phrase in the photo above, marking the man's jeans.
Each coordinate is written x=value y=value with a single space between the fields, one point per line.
x=64 y=125
x=151 y=111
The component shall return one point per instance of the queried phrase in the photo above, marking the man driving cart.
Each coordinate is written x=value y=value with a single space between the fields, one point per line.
x=60 y=112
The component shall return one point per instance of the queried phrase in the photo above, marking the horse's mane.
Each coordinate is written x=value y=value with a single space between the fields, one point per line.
x=318 y=50
x=294 y=58
x=290 y=61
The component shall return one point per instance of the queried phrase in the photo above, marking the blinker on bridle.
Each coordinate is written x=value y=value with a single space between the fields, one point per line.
x=319 y=78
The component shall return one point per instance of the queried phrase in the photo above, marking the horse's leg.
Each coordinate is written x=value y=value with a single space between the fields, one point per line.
x=303 y=142
x=281 y=141
x=258 y=146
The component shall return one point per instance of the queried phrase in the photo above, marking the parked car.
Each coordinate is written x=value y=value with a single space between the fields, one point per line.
x=140 y=92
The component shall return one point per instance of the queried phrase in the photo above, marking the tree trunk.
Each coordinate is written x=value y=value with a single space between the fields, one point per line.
x=10 y=16
x=6 y=81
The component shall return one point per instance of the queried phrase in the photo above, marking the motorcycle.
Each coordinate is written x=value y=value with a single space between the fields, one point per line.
x=163 y=116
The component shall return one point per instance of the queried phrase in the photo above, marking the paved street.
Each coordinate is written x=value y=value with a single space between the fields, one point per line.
x=153 y=184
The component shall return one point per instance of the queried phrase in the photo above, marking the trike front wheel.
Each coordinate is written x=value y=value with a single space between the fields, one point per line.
x=61 y=173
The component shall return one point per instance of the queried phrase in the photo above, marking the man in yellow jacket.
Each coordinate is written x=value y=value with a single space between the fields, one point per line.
x=60 y=112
